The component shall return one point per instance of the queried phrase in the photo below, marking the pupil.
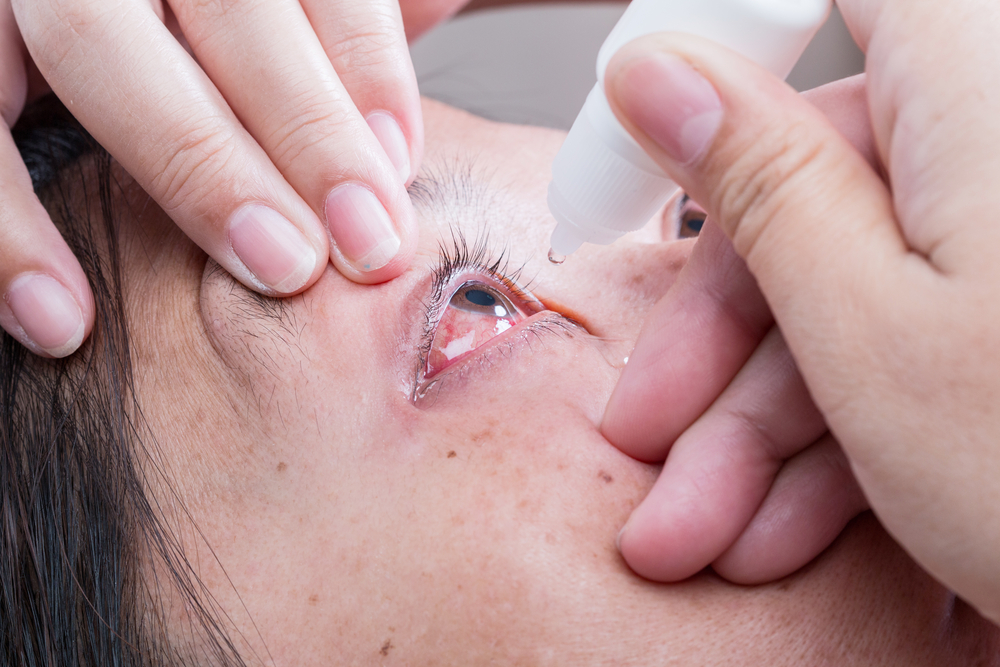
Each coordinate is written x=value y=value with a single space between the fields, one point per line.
x=695 y=223
x=480 y=298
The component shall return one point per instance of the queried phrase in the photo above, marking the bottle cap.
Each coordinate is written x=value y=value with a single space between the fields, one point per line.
x=603 y=184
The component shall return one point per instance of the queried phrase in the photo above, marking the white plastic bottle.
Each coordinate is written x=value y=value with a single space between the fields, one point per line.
x=603 y=184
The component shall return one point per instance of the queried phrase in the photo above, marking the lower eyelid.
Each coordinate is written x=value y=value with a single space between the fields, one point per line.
x=541 y=324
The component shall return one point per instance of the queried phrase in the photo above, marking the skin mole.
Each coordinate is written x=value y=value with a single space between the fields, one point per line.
x=386 y=647
x=452 y=454
x=281 y=466
x=605 y=477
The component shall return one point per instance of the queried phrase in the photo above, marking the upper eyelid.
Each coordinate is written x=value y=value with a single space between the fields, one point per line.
x=475 y=258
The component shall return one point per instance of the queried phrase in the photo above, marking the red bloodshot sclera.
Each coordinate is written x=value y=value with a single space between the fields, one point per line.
x=475 y=314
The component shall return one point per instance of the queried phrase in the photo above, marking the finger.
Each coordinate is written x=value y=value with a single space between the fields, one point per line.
x=817 y=228
x=930 y=73
x=691 y=345
x=720 y=469
x=845 y=105
x=812 y=500
x=286 y=92
x=785 y=186
x=47 y=304
x=367 y=48
x=700 y=334
x=142 y=96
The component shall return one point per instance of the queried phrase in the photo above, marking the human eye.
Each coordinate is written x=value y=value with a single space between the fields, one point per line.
x=476 y=313
x=688 y=218
x=476 y=309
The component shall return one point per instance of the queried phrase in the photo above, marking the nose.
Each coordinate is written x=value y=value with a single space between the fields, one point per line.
x=610 y=289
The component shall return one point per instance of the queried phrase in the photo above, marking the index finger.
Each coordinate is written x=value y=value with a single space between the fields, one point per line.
x=145 y=99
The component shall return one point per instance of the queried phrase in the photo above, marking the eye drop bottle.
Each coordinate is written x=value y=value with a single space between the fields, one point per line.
x=603 y=183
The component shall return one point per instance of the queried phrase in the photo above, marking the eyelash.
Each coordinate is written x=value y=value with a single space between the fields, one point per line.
x=460 y=257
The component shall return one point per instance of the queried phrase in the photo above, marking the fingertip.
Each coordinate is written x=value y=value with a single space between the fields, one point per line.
x=45 y=316
x=390 y=135
x=276 y=252
x=395 y=267
x=653 y=545
x=812 y=501
x=367 y=245
x=670 y=101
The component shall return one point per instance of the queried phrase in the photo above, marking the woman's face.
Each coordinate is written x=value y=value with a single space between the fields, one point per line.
x=412 y=473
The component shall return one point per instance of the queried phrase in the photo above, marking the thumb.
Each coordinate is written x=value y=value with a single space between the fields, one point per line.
x=806 y=211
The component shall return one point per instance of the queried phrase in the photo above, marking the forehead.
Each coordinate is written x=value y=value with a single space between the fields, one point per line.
x=480 y=176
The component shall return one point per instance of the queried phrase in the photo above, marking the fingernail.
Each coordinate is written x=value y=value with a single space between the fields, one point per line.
x=361 y=227
x=673 y=104
x=49 y=315
x=272 y=248
x=393 y=141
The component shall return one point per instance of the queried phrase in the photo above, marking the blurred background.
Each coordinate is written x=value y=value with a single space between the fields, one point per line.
x=535 y=64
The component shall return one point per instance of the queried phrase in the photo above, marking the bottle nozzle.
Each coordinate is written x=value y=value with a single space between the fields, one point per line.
x=603 y=184
x=565 y=241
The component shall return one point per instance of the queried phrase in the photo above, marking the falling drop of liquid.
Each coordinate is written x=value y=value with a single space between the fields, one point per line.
x=556 y=258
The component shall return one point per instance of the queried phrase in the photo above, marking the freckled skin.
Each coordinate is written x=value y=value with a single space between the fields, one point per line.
x=353 y=527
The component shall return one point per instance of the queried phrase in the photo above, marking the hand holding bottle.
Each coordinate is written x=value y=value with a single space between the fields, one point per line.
x=882 y=278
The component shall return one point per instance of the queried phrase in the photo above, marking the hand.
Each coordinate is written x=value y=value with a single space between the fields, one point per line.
x=289 y=140
x=754 y=485
x=885 y=289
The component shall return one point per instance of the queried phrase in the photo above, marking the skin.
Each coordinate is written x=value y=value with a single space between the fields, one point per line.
x=240 y=153
x=331 y=518
x=894 y=339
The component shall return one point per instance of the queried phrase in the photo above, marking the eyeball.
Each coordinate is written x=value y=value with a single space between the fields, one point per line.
x=475 y=314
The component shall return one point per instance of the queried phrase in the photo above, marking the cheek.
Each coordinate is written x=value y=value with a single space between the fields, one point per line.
x=520 y=471
x=500 y=507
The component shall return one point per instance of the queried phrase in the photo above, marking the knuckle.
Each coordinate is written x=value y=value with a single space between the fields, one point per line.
x=766 y=178
x=317 y=120
x=372 y=41
x=202 y=157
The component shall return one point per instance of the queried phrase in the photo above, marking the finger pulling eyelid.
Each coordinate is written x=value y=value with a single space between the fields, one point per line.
x=574 y=316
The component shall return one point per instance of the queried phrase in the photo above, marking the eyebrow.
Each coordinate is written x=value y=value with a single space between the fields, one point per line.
x=454 y=186
x=256 y=304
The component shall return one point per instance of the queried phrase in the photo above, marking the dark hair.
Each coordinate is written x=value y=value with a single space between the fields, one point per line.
x=80 y=536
